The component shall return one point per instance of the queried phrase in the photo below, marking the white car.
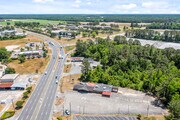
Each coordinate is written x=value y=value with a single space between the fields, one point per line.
x=45 y=73
x=56 y=81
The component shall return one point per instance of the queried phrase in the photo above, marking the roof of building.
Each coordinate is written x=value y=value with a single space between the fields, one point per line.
x=10 y=76
x=106 y=93
x=6 y=85
x=77 y=58
x=19 y=85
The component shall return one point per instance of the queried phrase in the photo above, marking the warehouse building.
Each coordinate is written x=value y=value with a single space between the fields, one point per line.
x=8 y=78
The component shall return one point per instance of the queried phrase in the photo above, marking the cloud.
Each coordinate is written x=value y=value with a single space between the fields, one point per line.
x=76 y=5
x=78 y=1
x=155 y=5
x=127 y=6
x=42 y=1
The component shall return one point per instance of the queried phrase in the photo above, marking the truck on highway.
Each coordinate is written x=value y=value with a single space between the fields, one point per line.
x=60 y=57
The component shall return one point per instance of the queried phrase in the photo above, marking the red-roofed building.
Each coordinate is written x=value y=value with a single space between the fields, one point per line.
x=4 y=86
x=106 y=94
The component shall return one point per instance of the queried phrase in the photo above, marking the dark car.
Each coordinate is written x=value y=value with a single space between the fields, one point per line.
x=67 y=112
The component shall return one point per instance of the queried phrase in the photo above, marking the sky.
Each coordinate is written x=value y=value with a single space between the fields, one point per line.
x=89 y=6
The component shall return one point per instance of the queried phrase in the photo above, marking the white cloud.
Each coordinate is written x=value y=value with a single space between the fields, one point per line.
x=42 y=1
x=78 y=1
x=76 y=5
x=155 y=5
x=127 y=7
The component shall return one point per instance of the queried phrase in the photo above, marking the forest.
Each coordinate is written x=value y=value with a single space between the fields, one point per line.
x=168 y=36
x=98 y=18
x=128 y=64
x=169 y=25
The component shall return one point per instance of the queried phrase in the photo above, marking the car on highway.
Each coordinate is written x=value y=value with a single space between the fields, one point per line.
x=56 y=77
x=67 y=112
x=56 y=81
x=45 y=73
x=60 y=57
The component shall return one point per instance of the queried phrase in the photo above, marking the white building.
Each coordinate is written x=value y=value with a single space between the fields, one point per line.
x=2 y=70
x=8 y=78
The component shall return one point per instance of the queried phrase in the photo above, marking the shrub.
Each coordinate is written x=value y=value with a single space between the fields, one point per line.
x=25 y=95
x=29 y=89
x=7 y=114
x=19 y=104
x=59 y=118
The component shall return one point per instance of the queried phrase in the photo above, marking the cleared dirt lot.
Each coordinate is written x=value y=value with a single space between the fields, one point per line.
x=19 y=42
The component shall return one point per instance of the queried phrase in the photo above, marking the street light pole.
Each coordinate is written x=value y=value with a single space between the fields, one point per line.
x=13 y=104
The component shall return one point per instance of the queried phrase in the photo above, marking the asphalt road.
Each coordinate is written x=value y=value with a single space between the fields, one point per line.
x=39 y=105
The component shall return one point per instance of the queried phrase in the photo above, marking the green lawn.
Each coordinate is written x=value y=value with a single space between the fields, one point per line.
x=42 y=22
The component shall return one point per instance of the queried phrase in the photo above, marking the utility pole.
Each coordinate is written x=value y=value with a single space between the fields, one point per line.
x=83 y=109
x=148 y=110
x=70 y=107
x=63 y=109
x=13 y=104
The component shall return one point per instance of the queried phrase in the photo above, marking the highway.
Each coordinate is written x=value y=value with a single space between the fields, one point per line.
x=40 y=104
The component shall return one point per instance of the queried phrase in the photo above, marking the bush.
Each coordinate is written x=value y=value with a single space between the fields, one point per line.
x=25 y=95
x=19 y=104
x=10 y=71
x=7 y=114
x=139 y=116
x=59 y=118
x=29 y=89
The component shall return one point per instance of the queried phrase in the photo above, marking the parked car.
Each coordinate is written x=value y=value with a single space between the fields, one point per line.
x=67 y=112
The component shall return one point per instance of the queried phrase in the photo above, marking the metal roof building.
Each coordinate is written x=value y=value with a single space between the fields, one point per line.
x=18 y=86
x=9 y=78
x=4 y=86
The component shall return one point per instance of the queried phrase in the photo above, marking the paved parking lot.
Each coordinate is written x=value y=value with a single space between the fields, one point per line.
x=8 y=96
x=104 y=118
x=90 y=103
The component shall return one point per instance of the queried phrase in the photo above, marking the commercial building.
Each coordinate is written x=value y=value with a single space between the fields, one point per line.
x=103 y=89
x=77 y=59
x=18 y=86
x=6 y=86
x=8 y=78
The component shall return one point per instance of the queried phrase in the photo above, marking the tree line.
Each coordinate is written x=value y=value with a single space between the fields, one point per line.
x=168 y=36
x=169 y=25
x=99 y=18
x=128 y=64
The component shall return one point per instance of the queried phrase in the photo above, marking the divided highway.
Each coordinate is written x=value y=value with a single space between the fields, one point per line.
x=40 y=104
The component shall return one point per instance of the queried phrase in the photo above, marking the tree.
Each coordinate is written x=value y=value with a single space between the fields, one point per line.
x=10 y=71
x=21 y=58
x=19 y=104
x=53 y=35
x=94 y=34
x=85 y=70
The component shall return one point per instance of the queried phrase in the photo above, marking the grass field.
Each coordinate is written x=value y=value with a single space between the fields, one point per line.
x=42 y=22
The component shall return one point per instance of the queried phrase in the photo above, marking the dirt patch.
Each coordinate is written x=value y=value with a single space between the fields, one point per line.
x=30 y=66
x=67 y=68
x=2 y=106
x=59 y=101
x=20 y=42
x=153 y=117
x=68 y=82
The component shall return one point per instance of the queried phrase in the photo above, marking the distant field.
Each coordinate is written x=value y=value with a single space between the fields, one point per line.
x=42 y=22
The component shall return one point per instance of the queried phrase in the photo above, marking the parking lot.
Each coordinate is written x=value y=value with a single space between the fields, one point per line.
x=9 y=96
x=118 y=103
x=103 y=118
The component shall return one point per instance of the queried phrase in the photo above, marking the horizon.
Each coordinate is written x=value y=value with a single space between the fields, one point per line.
x=90 y=7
